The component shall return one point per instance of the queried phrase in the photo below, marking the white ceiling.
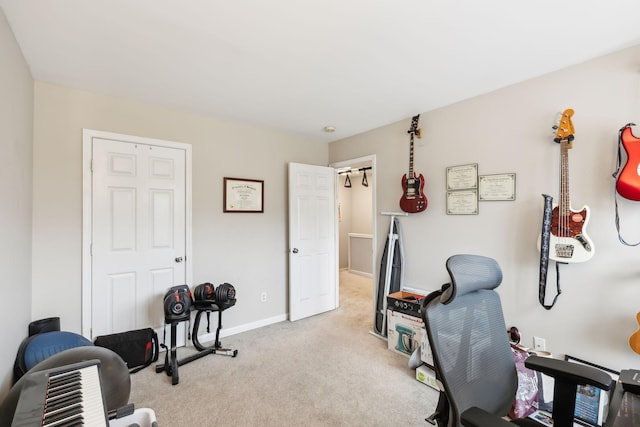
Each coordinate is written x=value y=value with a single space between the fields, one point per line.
x=300 y=65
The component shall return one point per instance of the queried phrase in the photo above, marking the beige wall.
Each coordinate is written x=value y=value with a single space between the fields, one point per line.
x=16 y=114
x=510 y=131
x=246 y=250
x=356 y=215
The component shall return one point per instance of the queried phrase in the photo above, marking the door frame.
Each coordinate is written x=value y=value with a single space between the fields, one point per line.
x=374 y=220
x=87 y=209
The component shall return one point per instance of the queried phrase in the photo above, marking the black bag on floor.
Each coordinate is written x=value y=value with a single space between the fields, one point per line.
x=138 y=348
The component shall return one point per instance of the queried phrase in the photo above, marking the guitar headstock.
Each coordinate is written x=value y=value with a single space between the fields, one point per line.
x=414 y=127
x=564 y=128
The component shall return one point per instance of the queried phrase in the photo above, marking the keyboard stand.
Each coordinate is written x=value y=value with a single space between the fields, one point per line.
x=171 y=366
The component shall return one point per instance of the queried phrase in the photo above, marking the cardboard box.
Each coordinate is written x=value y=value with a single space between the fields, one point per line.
x=425 y=375
x=404 y=332
x=405 y=302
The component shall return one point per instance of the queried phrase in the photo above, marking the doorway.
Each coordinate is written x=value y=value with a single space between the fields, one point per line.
x=356 y=221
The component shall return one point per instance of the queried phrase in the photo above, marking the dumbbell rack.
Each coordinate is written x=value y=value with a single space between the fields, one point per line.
x=171 y=366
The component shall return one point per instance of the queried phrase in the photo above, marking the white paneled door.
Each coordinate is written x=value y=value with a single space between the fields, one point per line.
x=138 y=233
x=312 y=240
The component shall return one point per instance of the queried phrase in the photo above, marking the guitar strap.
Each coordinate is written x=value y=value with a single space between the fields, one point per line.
x=545 y=239
x=615 y=193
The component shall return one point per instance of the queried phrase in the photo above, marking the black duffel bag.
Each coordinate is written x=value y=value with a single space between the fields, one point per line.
x=138 y=348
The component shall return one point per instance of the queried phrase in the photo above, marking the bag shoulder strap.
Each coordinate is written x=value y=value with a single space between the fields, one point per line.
x=545 y=238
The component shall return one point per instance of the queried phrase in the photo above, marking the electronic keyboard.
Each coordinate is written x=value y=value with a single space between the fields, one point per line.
x=69 y=395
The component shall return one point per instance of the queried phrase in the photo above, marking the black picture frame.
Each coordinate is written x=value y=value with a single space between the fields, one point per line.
x=243 y=195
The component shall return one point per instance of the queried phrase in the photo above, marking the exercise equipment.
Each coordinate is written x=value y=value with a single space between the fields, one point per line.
x=177 y=304
x=38 y=347
x=206 y=299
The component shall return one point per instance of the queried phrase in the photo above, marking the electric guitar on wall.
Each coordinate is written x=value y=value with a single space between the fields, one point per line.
x=634 y=339
x=413 y=199
x=569 y=242
x=628 y=180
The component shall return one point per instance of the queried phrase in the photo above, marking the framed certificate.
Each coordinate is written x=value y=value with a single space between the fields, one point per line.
x=497 y=187
x=462 y=177
x=462 y=202
x=243 y=195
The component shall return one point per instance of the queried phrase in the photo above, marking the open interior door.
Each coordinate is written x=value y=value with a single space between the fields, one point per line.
x=312 y=250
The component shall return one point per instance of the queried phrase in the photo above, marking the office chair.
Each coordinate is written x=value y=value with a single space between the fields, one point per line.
x=472 y=356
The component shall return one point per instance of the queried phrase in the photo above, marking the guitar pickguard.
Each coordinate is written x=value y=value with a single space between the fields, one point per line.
x=569 y=242
x=569 y=225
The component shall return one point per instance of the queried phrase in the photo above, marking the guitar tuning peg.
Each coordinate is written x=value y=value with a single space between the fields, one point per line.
x=556 y=121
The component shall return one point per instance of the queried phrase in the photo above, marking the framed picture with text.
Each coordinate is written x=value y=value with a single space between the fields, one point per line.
x=243 y=195
x=497 y=187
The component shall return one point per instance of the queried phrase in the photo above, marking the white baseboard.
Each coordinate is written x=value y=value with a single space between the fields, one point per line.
x=361 y=273
x=226 y=332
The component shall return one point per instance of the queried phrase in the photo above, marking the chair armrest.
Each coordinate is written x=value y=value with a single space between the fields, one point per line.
x=570 y=372
x=476 y=417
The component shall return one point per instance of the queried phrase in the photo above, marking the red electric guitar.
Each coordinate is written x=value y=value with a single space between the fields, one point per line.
x=628 y=181
x=413 y=199
x=569 y=241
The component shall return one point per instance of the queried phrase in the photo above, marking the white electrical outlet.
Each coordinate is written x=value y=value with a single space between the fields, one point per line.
x=539 y=344
x=263 y=297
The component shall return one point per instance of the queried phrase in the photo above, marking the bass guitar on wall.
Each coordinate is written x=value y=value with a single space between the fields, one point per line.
x=413 y=199
x=568 y=241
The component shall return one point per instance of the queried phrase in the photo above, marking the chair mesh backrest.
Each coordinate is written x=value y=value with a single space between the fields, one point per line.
x=468 y=338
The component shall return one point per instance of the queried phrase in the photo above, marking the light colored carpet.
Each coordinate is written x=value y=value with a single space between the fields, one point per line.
x=327 y=370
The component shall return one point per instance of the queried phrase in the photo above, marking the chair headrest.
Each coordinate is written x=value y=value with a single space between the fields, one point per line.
x=470 y=273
